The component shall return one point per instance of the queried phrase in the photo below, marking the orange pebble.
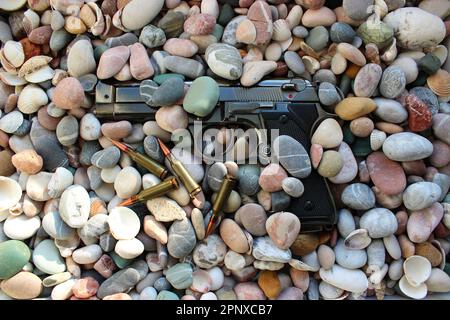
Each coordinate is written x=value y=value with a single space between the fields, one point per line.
x=352 y=71
x=269 y=283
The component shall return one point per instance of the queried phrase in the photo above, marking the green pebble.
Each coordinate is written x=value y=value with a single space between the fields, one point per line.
x=119 y=261
x=98 y=51
x=420 y=81
x=349 y=138
x=167 y=295
x=202 y=96
x=226 y=14
x=161 y=78
x=218 y=32
x=345 y=84
x=361 y=147
x=180 y=276
x=429 y=64
x=14 y=255
x=447 y=198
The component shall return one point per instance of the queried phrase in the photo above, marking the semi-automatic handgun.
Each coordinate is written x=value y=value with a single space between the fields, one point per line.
x=290 y=106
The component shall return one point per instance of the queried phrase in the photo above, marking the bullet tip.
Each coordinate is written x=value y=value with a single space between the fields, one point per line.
x=164 y=148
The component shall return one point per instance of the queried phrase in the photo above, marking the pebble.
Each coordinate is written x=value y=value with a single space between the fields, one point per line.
x=68 y=94
x=117 y=130
x=140 y=66
x=172 y=118
x=294 y=62
x=155 y=229
x=47 y=258
x=350 y=168
x=265 y=249
x=254 y=71
x=272 y=177
x=283 y=228
x=328 y=94
x=112 y=61
x=407 y=146
x=354 y=107
x=233 y=236
x=319 y=17
x=181 y=239
x=331 y=164
x=129 y=249
x=387 y=175
x=88 y=254
x=24 y=285
x=67 y=130
x=127 y=183
x=292 y=156
x=152 y=36
x=90 y=128
x=379 y=222
x=342 y=32
x=390 y=110
x=358 y=196
x=349 y=258
x=317 y=38
x=187 y=67
x=367 y=80
x=202 y=97
x=106 y=158
x=328 y=134
x=249 y=291
x=56 y=227
x=168 y=93
x=224 y=60
x=123 y=223
x=441 y=124
x=119 y=282
x=421 y=195
x=293 y=187
x=180 y=276
x=85 y=288
x=209 y=252
x=423 y=222
x=14 y=256
x=393 y=82
x=27 y=161
x=165 y=209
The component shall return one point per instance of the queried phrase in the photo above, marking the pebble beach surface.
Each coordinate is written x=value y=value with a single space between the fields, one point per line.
x=381 y=66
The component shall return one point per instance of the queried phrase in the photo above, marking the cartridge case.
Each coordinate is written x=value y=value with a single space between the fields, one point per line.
x=160 y=189
x=149 y=164
x=189 y=183
x=223 y=193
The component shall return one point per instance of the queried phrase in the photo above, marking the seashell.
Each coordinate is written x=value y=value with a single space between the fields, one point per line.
x=418 y=292
x=10 y=122
x=34 y=64
x=12 y=79
x=43 y=74
x=439 y=246
x=281 y=30
x=377 y=138
x=345 y=279
x=358 y=239
x=311 y=64
x=376 y=277
x=87 y=15
x=31 y=20
x=439 y=281
x=99 y=25
x=308 y=50
x=10 y=193
x=13 y=52
x=60 y=181
x=439 y=83
x=74 y=25
x=31 y=99
x=417 y=270
x=6 y=64
x=391 y=52
x=12 y=5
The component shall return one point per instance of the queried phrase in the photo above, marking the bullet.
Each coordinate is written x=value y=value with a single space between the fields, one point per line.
x=181 y=172
x=222 y=196
x=146 y=162
x=156 y=191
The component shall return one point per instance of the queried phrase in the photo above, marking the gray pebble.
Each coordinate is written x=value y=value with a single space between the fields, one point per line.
x=357 y=9
x=146 y=89
x=55 y=227
x=427 y=96
x=328 y=94
x=162 y=284
x=188 y=67
x=443 y=181
x=107 y=242
x=127 y=39
x=172 y=24
x=342 y=32
x=392 y=82
x=325 y=75
x=182 y=239
x=294 y=62
x=248 y=176
x=318 y=38
x=152 y=148
x=215 y=175
x=157 y=60
x=169 y=92
x=106 y=158
x=358 y=196
x=119 y=282
x=291 y=154
x=67 y=130
x=300 y=32
x=88 y=82
x=141 y=267
x=59 y=39
x=421 y=195
x=95 y=179
x=280 y=201
x=24 y=128
x=152 y=36
x=88 y=148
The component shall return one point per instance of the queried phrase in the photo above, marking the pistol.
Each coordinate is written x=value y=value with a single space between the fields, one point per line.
x=289 y=106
